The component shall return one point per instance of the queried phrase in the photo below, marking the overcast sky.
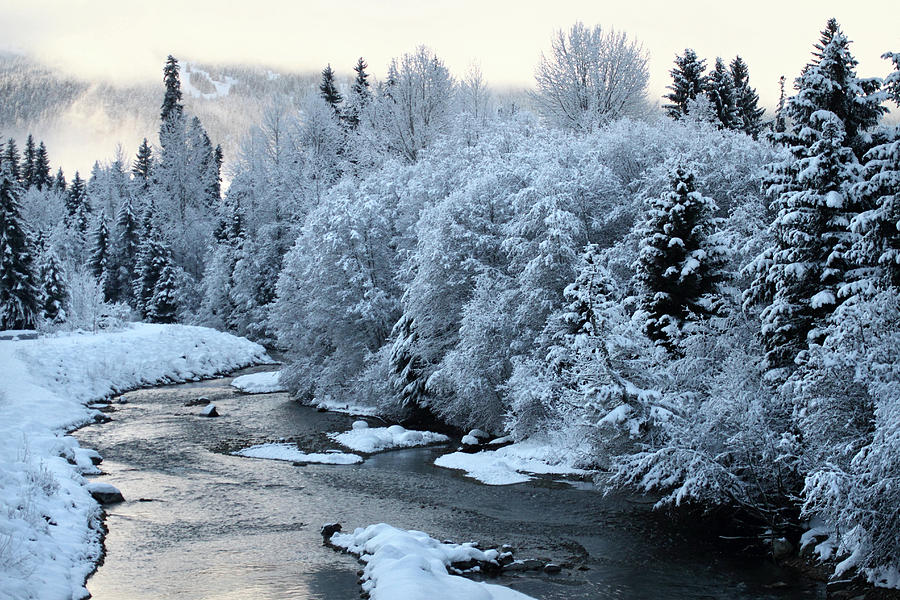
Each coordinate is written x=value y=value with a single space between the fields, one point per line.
x=128 y=40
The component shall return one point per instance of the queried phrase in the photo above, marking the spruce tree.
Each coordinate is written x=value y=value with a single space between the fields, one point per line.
x=77 y=207
x=678 y=266
x=28 y=162
x=877 y=248
x=54 y=296
x=163 y=305
x=720 y=90
x=100 y=261
x=19 y=292
x=171 y=106
x=361 y=95
x=329 y=90
x=126 y=249
x=780 y=125
x=59 y=182
x=41 y=177
x=748 y=112
x=11 y=159
x=688 y=81
x=142 y=165
x=406 y=369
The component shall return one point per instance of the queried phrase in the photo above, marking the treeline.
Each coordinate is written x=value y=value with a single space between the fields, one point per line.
x=703 y=305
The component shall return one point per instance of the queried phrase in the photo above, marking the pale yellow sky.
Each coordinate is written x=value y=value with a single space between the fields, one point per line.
x=128 y=40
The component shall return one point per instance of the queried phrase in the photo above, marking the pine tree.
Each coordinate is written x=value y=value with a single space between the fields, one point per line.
x=407 y=378
x=720 y=90
x=142 y=165
x=163 y=305
x=11 y=159
x=688 y=81
x=19 y=293
x=100 y=261
x=171 y=107
x=28 y=162
x=41 y=177
x=780 y=125
x=54 y=296
x=678 y=267
x=59 y=182
x=329 y=90
x=749 y=115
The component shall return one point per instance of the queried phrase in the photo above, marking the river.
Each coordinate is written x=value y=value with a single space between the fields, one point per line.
x=200 y=523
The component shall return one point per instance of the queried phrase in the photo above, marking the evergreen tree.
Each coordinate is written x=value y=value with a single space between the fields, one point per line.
x=11 y=159
x=780 y=125
x=19 y=293
x=361 y=95
x=163 y=305
x=678 y=267
x=877 y=247
x=54 y=296
x=59 y=183
x=218 y=158
x=28 y=162
x=329 y=90
x=41 y=177
x=127 y=247
x=830 y=83
x=688 y=81
x=171 y=107
x=406 y=370
x=807 y=263
x=749 y=115
x=77 y=204
x=142 y=165
x=720 y=90
x=100 y=261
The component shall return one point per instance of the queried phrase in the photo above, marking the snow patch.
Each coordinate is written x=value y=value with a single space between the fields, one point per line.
x=411 y=565
x=290 y=452
x=259 y=383
x=376 y=439
x=511 y=464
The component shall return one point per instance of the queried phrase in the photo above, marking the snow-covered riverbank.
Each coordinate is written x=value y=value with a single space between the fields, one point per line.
x=49 y=525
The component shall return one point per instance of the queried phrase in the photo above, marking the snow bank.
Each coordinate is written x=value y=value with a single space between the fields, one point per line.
x=510 y=464
x=410 y=565
x=292 y=453
x=375 y=439
x=259 y=383
x=49 y=523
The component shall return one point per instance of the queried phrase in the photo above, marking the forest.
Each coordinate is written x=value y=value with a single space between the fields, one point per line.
x=698 y=300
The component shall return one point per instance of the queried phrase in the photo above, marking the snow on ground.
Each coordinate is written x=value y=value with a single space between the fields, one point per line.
x=292 y=453
x=410 y=565
x=363 y=438
x=49 y=523
x=510 y=464
x=259 y=383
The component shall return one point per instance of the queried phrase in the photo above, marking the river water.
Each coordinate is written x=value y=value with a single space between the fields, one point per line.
x=200 y=523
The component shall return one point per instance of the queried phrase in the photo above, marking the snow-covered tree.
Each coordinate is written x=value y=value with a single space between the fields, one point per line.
x=126 y=251
x=100 y=262
x=591 y=77
x=19 y=292
x=360 y=95
x=328 y=90
x=12 y=159
x=688 y=81
x=143 y=164
x=679 y=265
x=720 y=89
x=749 y=115
x=77 y=207
x=54 y=292
x=163 y=305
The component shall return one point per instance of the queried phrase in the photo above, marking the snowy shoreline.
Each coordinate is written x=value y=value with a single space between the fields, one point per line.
x=50 y=539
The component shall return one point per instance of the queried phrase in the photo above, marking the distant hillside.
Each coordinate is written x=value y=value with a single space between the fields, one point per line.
x=82 y=121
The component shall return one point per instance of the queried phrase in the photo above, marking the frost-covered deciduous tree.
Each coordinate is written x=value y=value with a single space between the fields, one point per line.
x=414 y=104
x=591 y=77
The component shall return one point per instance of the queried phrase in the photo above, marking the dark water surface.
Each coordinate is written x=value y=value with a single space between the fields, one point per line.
x=199 y=523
